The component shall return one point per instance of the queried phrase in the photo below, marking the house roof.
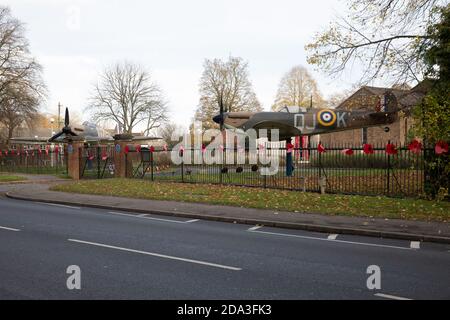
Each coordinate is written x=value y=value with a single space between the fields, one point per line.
x=380 y=91
x=405 y=98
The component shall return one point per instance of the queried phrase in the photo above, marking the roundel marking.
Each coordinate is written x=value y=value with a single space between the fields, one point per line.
x=326 y=118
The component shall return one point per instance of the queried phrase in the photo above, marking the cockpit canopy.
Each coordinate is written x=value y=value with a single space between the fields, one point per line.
x=292 y=109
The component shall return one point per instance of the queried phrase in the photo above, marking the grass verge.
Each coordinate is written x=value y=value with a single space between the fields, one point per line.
x=11 y=178
x=283 y=200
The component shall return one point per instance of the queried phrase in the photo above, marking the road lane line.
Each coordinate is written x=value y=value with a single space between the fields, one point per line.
x=158 y=255
x=59 y=205
x=415 y=245
x=9 y=229
x=254 y=228
x=192 y=221
x=388 y=296
x=146 y=217
x=326 y=239
x=332 y=236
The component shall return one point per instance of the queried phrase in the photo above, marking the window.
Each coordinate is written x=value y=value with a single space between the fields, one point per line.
x=364 y=136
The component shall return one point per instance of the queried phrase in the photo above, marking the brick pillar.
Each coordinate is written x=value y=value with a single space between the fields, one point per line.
x=123 y=164
x=73 y=157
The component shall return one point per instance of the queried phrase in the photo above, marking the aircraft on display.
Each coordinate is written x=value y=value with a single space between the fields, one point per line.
x=297 y=121
x=89 y=132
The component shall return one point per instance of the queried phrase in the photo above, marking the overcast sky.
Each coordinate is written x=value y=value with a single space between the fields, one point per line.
x=75 y=40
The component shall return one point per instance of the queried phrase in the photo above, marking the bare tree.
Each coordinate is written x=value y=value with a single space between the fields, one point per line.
x=298 y=88
x=228 y=83
x=384 y=37
x=157 y=115
x=127 y=95
x=167 y=131
x=19 y=106
x=21 y=85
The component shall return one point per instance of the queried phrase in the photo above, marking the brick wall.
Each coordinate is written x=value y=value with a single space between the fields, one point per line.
x=398 y=133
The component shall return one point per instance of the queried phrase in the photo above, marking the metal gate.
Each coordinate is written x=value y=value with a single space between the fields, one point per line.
x=97 y=162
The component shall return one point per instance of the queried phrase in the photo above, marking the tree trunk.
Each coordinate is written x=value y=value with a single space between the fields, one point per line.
x=10 y=134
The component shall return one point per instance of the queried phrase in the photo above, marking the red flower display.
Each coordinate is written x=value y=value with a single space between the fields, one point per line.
x=321 y=148
x=152 y=149
x=441 y=147
x=348 y=152
x=203 y=148
x=138 y=148
x=368 y=149
x=391 y=149
x=415 y=146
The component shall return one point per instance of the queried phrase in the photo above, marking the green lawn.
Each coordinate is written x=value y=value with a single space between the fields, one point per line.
x=10 y=178
x=380 y=207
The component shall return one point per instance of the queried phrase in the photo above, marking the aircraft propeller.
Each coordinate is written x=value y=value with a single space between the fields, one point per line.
x=66 y=130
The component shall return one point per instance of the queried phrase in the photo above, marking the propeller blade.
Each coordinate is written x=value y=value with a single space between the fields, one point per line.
x=66 y=118
x=56 y=136
x=221 y=114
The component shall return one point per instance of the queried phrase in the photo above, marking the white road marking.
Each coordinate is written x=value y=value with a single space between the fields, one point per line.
x=192 y=221
x=146 y=217
x=326 y=239
x=388 y=296
x=415 y=245
x=332 y=236
x=9 y=229
x=59 y=205
x=254 y=228
x=158 y=255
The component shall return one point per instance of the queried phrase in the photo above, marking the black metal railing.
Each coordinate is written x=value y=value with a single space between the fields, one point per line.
x=34 y=161
x=341 y=169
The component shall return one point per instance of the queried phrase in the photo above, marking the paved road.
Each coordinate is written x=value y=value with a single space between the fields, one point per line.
x=122 y=256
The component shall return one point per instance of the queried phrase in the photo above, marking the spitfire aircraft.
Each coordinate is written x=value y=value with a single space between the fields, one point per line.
x=298 y=121
x=89 y=132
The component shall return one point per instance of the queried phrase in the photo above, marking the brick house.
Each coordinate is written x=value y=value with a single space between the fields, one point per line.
x=369 y=98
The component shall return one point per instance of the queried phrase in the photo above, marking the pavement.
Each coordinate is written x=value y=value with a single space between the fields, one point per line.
x=384 y=228
x=122 y=255
x=34 y=178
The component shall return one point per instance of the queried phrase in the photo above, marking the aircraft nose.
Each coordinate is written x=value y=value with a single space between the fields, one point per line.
x=218 y=119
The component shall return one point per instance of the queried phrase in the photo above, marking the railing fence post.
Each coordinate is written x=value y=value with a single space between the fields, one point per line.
x=151 y=166
x=182 y=166
x=388 y=178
